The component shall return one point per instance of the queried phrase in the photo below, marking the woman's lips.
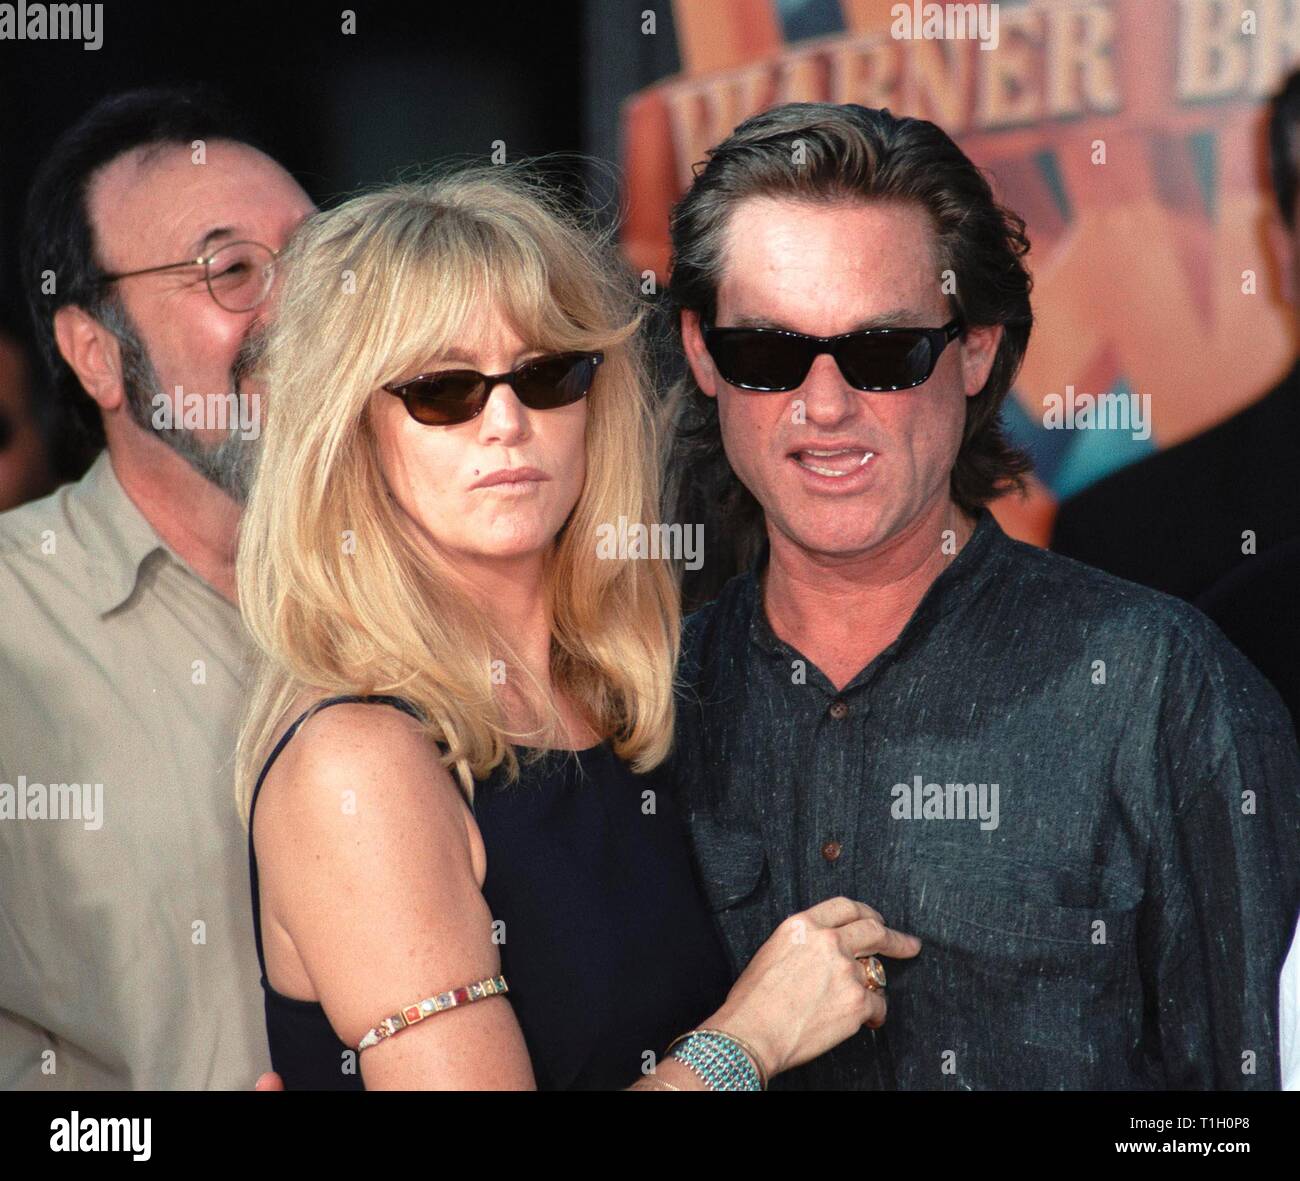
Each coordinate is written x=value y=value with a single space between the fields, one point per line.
x=506 y=476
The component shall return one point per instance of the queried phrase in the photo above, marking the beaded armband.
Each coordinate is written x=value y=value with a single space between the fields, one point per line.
x=493 y=986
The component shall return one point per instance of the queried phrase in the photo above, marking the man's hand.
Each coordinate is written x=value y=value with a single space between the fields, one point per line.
x=270 y=1081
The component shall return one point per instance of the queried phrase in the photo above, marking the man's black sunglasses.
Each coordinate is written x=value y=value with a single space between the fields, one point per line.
x=452 y=396
x=774 y=360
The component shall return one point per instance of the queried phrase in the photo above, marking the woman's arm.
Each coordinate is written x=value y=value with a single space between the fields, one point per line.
x=371 y=866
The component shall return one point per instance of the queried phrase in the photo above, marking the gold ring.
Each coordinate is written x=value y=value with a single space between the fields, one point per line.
x=875 y=972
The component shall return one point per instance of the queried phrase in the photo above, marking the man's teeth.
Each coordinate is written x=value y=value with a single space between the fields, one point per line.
x=843 y=468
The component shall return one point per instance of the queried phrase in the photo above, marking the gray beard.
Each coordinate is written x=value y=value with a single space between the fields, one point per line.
x=228 y=464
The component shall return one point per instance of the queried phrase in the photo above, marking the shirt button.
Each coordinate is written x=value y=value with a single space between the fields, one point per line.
x=831 y=850
x=839 y=710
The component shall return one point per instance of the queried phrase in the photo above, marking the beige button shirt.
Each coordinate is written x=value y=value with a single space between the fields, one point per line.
x=126 y=942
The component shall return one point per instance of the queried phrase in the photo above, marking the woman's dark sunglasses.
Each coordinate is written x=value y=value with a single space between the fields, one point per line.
x=776 y=361
x=457 y=395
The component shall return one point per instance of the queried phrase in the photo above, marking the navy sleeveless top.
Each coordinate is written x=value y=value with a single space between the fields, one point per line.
x=609 y=949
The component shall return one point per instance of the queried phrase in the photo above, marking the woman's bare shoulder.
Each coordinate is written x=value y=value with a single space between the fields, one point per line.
x=351 y=755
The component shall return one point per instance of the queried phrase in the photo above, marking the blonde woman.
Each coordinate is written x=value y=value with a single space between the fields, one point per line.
x=463 y=861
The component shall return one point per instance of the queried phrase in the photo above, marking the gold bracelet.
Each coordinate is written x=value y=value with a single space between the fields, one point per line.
x=658 y=1082
x=492 y=986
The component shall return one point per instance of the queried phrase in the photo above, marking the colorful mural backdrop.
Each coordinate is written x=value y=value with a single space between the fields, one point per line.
x=1128 y=133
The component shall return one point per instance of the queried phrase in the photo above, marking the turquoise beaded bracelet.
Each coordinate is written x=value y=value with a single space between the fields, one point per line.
x=719 y=1060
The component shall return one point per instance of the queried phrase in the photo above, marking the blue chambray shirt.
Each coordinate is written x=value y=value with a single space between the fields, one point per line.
x=1121 y=925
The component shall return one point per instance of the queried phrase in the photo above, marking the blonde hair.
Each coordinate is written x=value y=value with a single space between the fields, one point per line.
x=371 y=290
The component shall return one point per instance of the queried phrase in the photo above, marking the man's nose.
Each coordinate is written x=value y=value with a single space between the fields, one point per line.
x=826 y=396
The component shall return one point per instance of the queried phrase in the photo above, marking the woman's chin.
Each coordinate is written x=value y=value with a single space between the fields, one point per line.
x=510 y=546
x=504 y=534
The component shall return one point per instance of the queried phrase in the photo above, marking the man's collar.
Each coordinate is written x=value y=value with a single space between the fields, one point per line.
x=116 y=535
x=960 y=579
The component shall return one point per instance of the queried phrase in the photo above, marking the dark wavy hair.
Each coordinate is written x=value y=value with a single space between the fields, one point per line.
x=853 y=153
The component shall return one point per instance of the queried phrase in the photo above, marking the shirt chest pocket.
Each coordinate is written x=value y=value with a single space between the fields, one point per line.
x=1013 y=928
x=1026 y=993
x=1014 y=937
x=732 y=863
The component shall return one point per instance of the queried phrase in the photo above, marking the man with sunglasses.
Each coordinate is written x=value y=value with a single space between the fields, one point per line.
x=126 y=948
x=1078 y=796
